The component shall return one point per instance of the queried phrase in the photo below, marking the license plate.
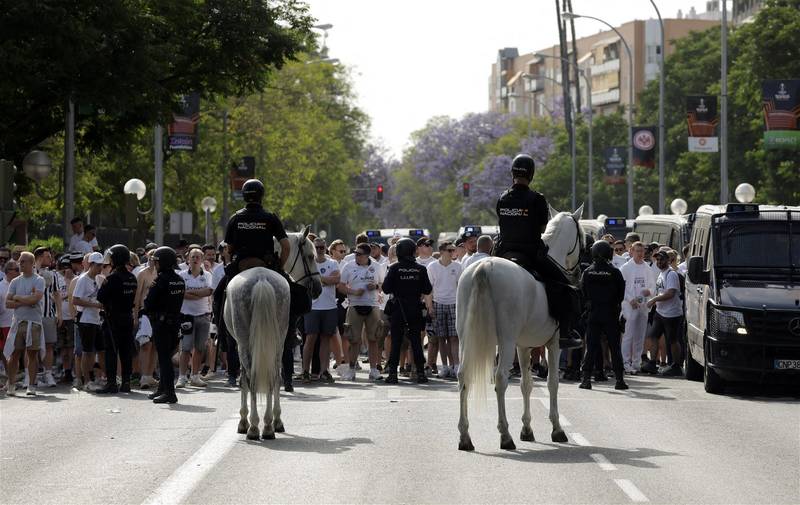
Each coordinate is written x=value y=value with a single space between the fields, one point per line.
x=787 y=364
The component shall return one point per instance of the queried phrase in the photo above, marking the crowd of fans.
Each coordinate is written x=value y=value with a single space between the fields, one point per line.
x=53 y=327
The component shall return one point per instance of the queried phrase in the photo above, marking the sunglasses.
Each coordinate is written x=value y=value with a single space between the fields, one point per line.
x=619 y=249
x=319 y=247
x=12 y=269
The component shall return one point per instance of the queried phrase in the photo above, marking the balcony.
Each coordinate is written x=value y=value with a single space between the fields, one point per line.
x=604 y=97
x=604 y=68
x=534 y=85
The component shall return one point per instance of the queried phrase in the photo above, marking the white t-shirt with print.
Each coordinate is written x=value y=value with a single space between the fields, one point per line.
x=326 y=299
x=668 y=279
x=357 y=277
x=76 y=238
x=86 y=289
x=444 y=280
x=426 y=261
x=199 y=306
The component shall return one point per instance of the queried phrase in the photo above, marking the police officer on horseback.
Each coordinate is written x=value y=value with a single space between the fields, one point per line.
x=522 y=215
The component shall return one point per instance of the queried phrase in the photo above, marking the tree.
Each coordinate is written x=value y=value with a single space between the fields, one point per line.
x=127 y=62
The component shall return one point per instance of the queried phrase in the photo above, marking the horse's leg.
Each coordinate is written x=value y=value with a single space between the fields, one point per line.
x=504 y=361
x=269 y=432
x=464 y=442
x=553 y=354
x=243 y=424
x=526 y=385
x=277 y=423
x=252 y=433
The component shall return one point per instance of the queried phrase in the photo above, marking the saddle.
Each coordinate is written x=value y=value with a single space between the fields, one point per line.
x=251 y=262
x=525 y=262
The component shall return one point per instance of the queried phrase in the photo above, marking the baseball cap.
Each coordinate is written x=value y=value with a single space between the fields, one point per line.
x=150 y=246
x=460 y=241
x=660 y=253
x=425 y=241
x=96 y=258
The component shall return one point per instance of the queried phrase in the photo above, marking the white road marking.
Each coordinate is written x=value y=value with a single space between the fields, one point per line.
x=603 y=462
x=579 y=439
x=630 y=489
x=180 y=484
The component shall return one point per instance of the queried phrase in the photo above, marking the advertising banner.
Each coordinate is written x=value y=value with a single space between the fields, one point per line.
x=615 y=159
x=240 y=173
x=644 y=146
x=781 y=103
x=182 y=132
x=702 y=120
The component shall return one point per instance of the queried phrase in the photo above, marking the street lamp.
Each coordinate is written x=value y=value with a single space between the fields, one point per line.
x=138 y=188
x=571 y=15
x=209 y=205
x=37 y=166
x=678 y=206
x=645 y=210
x=661 y=190
x=745 y=193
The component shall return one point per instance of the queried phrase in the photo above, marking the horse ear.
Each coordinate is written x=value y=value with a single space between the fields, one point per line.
x=553 y=212
x=578 y=213
x=306 y=231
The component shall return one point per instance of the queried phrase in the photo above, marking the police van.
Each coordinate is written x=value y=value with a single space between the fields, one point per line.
x=617 y=226
x=383 y=235
x=593 y=227
x=666 y=229
x=478 y=230
x=743 y=295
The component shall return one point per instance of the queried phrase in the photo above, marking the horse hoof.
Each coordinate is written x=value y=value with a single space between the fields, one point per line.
x=279 y=428
x=527 y=436
x=508 y=445
x=559 y=436
x=252 y=435
x=268 y=436
x=243 y=427
x=466 y=445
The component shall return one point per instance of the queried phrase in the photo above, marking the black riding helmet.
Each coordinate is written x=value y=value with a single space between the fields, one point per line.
x=119 y=255
x=405 y=248
x=166 y=258
x=523 y=166
x=253 y=191
x=602 y=250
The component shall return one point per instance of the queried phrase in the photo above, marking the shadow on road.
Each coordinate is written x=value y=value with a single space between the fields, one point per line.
x=297 y=443
x=570 y=454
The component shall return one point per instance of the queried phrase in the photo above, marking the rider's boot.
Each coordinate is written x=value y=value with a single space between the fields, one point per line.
x=569 y=337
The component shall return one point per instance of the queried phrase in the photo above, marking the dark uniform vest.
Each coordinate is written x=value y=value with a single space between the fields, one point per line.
x=603 y=288
x=117 y=294
x=407 y=281
x=521 y=214
x=165 y=298
x=250 y=232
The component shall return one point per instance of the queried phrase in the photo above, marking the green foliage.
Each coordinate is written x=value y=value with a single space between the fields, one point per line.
x=53 y=243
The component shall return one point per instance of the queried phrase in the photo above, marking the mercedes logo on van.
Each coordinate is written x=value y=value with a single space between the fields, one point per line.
x=794 y=326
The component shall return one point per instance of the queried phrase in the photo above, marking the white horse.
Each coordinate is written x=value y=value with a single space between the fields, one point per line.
x=257 y=316
x=501 y=306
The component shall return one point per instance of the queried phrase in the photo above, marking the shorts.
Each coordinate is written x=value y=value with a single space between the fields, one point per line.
x=668 y=326
x=50 y=329
x=91 y=338
x=444 y=321
x=3 y=337
x=341 y=313
x=197 y=339
x=321 y=322
x=66 y=334
x=21 y=340
x=145 y=332
x=358 y=324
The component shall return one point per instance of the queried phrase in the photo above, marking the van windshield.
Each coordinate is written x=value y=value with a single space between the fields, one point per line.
x=758 y=244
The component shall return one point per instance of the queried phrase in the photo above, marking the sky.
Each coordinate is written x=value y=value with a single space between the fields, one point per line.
x=415 y=59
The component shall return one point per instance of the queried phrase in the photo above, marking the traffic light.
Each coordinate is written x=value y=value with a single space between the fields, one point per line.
x=465 y=189
x=379 y=193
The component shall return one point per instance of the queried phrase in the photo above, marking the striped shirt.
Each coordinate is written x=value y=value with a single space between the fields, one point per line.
x=51 y=285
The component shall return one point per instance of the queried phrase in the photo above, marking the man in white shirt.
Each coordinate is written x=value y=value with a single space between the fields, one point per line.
x=619 y=250
x=322 y=320
x=196 y=310
x=425 y=251
x=360 y=281
x=78 y=236
x=668 y=318
x=639 y=286
x=84 y=297
x=485 y=245
x=441 y=303
x=470 y=244
x=52 y=317
x=10 y=271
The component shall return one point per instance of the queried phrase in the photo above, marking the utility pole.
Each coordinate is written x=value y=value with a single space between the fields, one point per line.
x=69 y=170
x=225 y=168
x=575 y=63
x=562 y=44
x=723 y=120
x=662 y=196
x=158 y=193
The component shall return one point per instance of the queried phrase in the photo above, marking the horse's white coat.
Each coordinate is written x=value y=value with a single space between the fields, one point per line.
x=501 y=307
x=257 y=316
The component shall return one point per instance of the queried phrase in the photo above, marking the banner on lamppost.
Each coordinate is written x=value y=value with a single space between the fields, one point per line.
x=644 y=146
x=780 y=100
x=182 y=132
x=240 y=173
x=615 y=159
x=702 y=119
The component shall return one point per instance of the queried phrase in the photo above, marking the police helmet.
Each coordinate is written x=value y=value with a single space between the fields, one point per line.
x=405 y=248
x=166 y=258
x=602 y=250
x=523 y=166
x=253 y=191
x=119 y=254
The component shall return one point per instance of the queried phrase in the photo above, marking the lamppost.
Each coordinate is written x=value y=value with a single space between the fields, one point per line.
x=678 y=206
x=138 y=188
x=645 y=210
x=209 y=205
x=661 y=190
x=745 y=193
x=37 y=166
x=571 y=15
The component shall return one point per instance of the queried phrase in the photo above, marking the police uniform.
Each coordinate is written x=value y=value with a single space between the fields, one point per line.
x=163 y=307
x=250 y=234
x=117 y=296
x=407 y=281
x=604 y=288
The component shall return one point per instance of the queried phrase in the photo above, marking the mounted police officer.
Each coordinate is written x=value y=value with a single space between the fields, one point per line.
x=406 y=281
x=603 y=288
x=163 y=308
x=523 y=214
x=117 y=295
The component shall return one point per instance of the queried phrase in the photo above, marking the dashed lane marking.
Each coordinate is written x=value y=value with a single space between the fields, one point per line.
x=579 y=439
x=630 y=489
x=603 y=462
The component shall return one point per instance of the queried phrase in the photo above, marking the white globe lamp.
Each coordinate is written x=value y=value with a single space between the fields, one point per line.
x=745 y=193
x=135 y=187
x=645 y=210
x=678 y=206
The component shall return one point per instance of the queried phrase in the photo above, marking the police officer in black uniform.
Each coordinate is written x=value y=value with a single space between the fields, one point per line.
x=406 y=281
x=603 y=288
x=117 y=296
x=163 y=307
x=522 y=215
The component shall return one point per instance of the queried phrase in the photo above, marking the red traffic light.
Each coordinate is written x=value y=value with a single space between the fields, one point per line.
x=465 y=188
x=380 y=192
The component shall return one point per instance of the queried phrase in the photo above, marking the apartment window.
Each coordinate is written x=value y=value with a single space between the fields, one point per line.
x=611 y=52
x=652 y=54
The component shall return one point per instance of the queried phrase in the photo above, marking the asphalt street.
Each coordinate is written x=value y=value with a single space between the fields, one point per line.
x=663 y=441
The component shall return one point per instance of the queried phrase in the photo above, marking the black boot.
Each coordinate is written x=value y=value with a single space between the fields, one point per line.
x=569 y=338
x=166 y=398
x=620 y=384
x=421 y=378
x=125 y=387
x=155 y=394
x=586 y=383
x=109 y=388
x=392 y=377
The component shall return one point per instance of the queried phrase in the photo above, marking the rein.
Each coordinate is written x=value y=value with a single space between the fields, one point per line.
x=573 y=272
x=306 y=269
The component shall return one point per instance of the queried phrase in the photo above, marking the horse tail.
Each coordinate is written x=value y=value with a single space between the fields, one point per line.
x=478 y=336
x=265 y=339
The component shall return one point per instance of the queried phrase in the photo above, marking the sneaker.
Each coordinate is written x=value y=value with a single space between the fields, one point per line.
x=12 y=390
x=444 y=372
x=232 y=382
x=49 y=380
x=326 y=377
x=25 y=381
x=110 y=388
x=146 y=382
x=434 y=370
x=374 y=374
x=585 y=384
x=181 y=383
x=306 y=378
x=343 y=370
x=31 y=391
x=197 y=382
x=351 y=375
x=454 y=372
x=672 y=371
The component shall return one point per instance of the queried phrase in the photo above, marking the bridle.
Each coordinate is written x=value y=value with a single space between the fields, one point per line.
x=306 y=269
x=575 y=270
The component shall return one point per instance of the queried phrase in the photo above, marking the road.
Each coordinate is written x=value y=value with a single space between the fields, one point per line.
x=662 y=441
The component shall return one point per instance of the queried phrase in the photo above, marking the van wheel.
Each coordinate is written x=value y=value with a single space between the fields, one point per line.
x=712 y=382
x=694 y=372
